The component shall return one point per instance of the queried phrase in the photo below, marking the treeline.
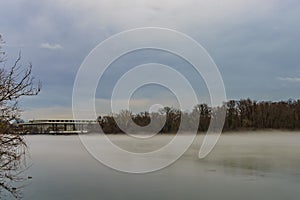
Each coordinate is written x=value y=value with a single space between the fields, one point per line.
x=262 y=115
x=243 y=114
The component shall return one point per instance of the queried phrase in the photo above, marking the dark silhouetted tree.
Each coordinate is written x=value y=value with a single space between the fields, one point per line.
x=15 y=82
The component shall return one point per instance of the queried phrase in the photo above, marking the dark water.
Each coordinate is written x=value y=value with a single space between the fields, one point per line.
x=242 y=166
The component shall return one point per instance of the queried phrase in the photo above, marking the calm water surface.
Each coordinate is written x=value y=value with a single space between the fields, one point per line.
x=242 y=166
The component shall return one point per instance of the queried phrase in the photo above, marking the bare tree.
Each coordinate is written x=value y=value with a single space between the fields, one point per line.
x=15 y=81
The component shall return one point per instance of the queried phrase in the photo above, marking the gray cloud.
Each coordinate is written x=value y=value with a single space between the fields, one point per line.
x=250 y=41
x=51 y=46
x=290 y=79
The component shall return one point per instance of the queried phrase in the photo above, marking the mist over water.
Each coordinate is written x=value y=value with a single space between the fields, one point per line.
x=254 y=165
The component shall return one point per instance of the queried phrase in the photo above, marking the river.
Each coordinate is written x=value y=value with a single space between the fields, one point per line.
x=253 y=165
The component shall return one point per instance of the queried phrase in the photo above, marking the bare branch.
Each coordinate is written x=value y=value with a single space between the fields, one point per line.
x=15 y=82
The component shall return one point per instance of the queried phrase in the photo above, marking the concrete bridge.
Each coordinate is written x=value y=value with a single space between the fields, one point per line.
x=57 y=126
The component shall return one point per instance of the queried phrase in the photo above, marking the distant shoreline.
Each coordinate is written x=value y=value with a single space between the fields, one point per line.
x=240 y=131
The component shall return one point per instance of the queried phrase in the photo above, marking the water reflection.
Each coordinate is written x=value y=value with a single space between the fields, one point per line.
x=260 y=166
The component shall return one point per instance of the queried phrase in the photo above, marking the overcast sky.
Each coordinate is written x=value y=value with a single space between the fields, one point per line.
x=255 y=44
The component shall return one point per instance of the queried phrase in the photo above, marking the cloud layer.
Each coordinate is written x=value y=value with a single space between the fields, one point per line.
x=290 y=79
x=250 y=41
x=50 y=46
